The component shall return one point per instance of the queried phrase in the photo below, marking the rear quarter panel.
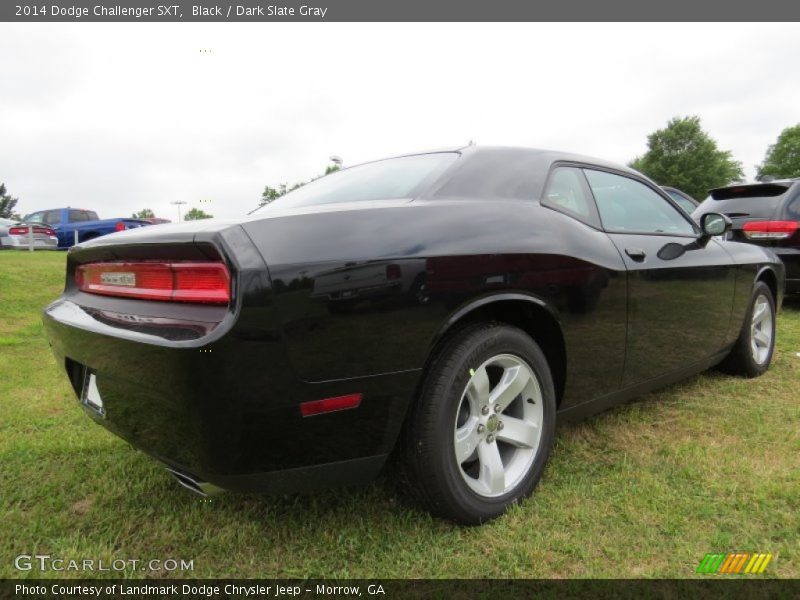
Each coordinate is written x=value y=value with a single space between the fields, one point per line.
x=450 y=253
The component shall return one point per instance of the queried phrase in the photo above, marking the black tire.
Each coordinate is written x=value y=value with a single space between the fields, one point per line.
x=741 y=360
x=430 y=463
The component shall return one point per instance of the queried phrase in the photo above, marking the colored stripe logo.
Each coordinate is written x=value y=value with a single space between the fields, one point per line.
x=734 y=563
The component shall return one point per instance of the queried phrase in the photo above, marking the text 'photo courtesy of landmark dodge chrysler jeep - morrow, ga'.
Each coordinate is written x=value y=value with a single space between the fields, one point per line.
x=447 y=307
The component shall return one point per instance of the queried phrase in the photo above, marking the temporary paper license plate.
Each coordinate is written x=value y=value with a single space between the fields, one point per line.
x=91 y=396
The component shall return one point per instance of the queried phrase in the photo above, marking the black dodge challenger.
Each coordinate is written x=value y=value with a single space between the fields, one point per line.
x=447 y=306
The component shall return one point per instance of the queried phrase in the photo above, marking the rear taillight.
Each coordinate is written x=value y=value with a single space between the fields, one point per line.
x=120 y=226
x=202 y=282
x=769 y=230
x=24 y=230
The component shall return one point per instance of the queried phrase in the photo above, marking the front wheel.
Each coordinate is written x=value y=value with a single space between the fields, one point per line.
x=483 y=428
x=752 y=353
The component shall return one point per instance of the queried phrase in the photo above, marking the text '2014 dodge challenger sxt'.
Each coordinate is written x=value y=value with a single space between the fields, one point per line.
x=449 y=306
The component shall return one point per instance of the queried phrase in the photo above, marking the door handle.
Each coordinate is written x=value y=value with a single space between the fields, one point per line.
x=636 y=254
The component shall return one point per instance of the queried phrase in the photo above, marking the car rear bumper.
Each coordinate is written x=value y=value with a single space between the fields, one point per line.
x=221 y=404
x=209 y=390
x=21 y=242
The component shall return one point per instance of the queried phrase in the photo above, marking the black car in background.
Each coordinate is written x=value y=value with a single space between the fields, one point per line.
x=684 y=200
x=766 y=214
x=446 y=306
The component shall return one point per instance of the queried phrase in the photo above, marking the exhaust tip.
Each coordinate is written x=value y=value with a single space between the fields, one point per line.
x=201 y=488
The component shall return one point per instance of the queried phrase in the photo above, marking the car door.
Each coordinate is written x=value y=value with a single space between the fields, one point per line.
x=680 y=290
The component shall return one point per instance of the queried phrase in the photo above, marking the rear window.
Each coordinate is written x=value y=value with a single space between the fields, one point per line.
x=48 y=217
x=751 y=192
x=389 y=179
x=757 y=200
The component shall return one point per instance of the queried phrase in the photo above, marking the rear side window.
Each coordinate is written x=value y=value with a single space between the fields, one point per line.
x=389 y=179
x=78 y=215
x=567 y=192
x=629 y=206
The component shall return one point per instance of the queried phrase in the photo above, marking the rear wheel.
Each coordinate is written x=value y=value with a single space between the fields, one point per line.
x=752 y=353
x=483 y=428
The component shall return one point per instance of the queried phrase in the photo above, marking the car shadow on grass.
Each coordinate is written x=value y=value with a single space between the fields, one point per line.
x=791 y=302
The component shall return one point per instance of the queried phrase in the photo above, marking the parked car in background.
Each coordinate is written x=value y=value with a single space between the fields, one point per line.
x=684 y=200
x=156 y=220
x=765 y=214
x=491 y=291
x=4 y=225
x=14 y=234
x=66 y=221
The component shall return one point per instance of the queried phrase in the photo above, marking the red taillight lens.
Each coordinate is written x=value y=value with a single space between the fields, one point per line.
x=769 y=230
x=318 y=407
x=120 y=226
x=24 y=229
x=208 y=283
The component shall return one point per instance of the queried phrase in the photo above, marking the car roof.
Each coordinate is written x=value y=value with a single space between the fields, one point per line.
x=550 y=156
x=513 y=173
x=541 y=153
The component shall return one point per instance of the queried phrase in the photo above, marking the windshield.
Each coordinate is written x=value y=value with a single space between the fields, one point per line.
x=682 y=201
x=382 y=180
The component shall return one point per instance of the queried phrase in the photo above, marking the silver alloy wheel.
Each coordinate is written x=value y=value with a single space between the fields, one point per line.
x=761 y=330
x=498 y=425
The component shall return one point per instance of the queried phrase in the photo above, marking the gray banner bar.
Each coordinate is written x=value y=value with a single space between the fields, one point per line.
x=399 y=10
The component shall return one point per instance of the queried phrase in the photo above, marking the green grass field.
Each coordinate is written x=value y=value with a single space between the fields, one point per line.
x=646 y=490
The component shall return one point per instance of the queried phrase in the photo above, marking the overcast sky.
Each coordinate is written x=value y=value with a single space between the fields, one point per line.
x=119 y=117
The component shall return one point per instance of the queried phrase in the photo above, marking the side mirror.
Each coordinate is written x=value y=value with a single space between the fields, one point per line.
x=713 y=224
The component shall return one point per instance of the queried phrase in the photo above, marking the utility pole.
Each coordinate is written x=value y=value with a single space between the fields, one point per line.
x=178 y=204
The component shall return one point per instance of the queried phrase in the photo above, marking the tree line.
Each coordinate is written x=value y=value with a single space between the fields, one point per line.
x=684 y=156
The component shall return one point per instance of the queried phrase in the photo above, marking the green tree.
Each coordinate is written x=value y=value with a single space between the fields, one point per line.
x=7 y=204
x=195 y=214
x=783 y=157
x=145 y=213
x=270 y=193
x=684 y=156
